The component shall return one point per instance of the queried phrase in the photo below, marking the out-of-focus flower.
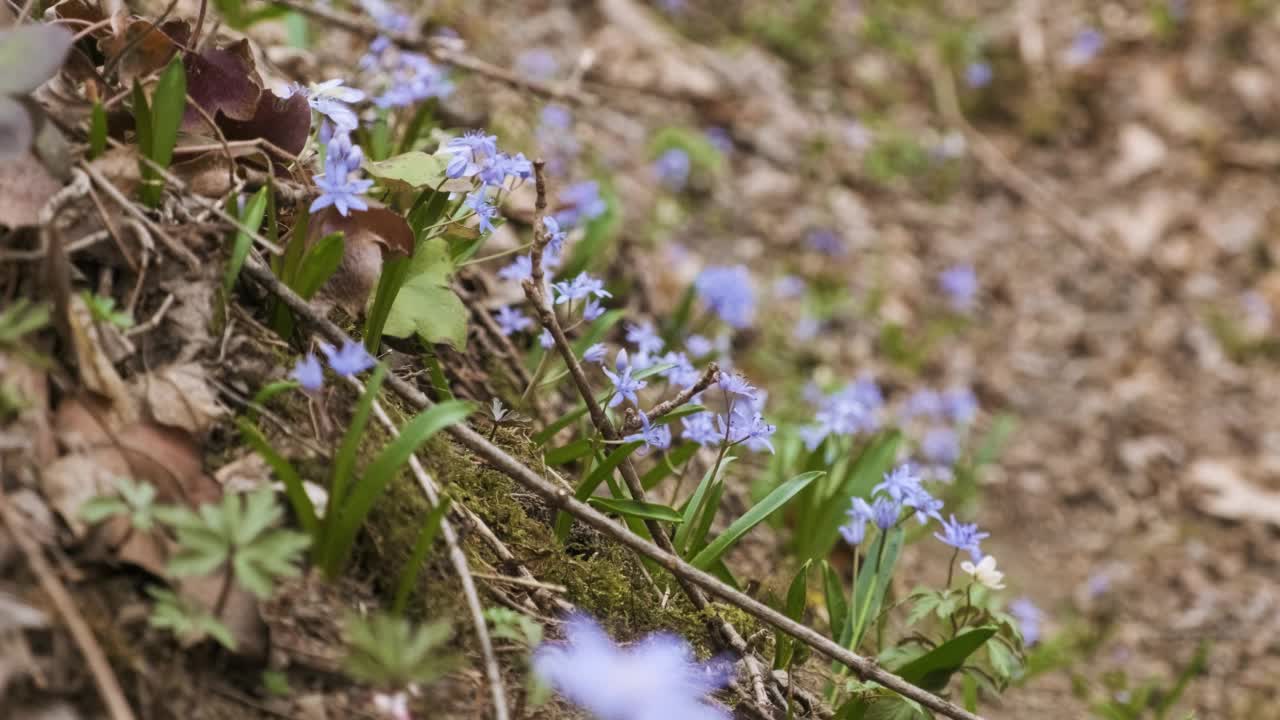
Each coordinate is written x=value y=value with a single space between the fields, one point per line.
x=826 y=241
x=728 y=292
x=511 y=321
x=580 y=202
x=519 y=269
x=1029 y=619
x=701 y=428
x=537 y=63
x=1084 y=48
x=985 y=572
x=657 y=678
x=672 y=168
x=653 y=436
x=960 y=285
x=978 y=74
x=644 y=337
x=595 y=354
x=350 y=359
x=308 y=373
x=546 y=341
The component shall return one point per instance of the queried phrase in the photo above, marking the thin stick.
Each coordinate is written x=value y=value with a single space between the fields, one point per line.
x=459 y=561
x=710 y=375
x=522 y=582
x=108 y=686
x=439 y=52
x=562 y=499
x=114 y=193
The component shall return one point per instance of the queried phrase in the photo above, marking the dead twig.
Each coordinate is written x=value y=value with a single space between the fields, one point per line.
x=710 y=375
x=459 y=561
x=103 y=677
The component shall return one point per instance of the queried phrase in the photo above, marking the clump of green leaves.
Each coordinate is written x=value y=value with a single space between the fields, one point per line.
x=156 y=125
x=388 y=651
x=334 y=530
x=526 y=633
x=237 y=539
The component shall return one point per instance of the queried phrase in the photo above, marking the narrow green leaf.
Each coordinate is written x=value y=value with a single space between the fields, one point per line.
x=264 y=396
x=932 y=670
x=251 y=219
x=167 y=107
x=784 y=649
x=413 y=566
x=318 y=264
x=383 y=470
x=591 y=482
x=873 y=580
x=675 y=459
x=567 y=454
x=97 y=131
x=284 y=470
x=143 y=134
x=344 y=462
x=692 y=508
x=757 y=514
x=710 y=506
x=637 y=509
x=826 y=514
x=837 y=605
x=394 y=274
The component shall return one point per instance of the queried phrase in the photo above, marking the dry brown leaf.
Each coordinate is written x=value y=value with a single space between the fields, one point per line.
x=97 y=373
x=191 y=315
x=208 y=175
x=148 y=54
x=1230 y=496
x=120 y=166
x=179 y=396
x=367 y=236
x=25 y=186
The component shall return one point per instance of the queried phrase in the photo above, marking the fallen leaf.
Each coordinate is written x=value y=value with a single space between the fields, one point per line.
x=208 y=174
x=1230 y=496
x=283 y=122
x=222 y=80
x=97 y=373
x=368 y=237
x=179 y=396
x=25 y=186
x=152 y=47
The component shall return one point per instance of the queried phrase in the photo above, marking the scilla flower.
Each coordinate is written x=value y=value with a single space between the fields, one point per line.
x=350 y=359
x=985 y=573
x=308 y=373
x=653 y=436
x=624 y=386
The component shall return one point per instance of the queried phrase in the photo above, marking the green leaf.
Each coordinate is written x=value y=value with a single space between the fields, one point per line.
x=351 y=514
x=1004 y=659
x=924 y=603
x=675 y=459
x=637 y=509
x=757 y=514
x=167 y=107
x=784 y=649
x=272 y=555
x=344 y=462
x=589 y=484
x=97 y=131
x=693 y=508
x=285 y=472
x=318 y=264
x=414 y=170
x=823 y=513
x=394 y=273
x=873 y=581
x=894 y=707
x=30 y=55
x=567 y=454
x=413 y=566
x=252 y=219
x=96 y=509
x=837 y=605
x=932 y=670
x=426 y=305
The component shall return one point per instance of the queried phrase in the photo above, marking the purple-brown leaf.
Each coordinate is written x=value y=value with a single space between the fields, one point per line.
x=283 y=122
x=222 y=80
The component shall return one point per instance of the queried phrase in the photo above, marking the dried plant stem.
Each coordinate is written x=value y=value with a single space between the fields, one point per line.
x=459 y=561
x=710 y=375
x=562 y=498
x=99 y=667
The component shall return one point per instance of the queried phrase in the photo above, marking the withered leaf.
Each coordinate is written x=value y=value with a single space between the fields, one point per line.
x=179 y=396
x=149 y=53
x=283 y=122
x=222 y=80
x=368 y=236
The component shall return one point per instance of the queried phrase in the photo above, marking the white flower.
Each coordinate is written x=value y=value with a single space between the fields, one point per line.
x=330 y=98
x=985 y=572
x=394 y=706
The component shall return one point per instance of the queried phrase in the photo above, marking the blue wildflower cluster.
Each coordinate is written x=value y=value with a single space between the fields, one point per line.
x=404 y=78
x=341 y=185
x=850 y=411
x=350 y=359
x=728 y=292
x=942 y=420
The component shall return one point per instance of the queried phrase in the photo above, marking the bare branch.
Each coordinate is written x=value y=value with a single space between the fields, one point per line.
x=710 y=375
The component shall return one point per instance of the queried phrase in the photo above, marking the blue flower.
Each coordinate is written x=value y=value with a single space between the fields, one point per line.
x=624 y=386
x=960 y=405
x=940 y=447
x=580 y=287
x=736 y=384
x=746 y=425
x=518 y=270
x=411 y=78
x=511 y=321
x=593 y=310
x=978 y=74
x=720 y=138
x=485 y=212
x=701 y=428
x=923 y=403
x=727 y=291
x=653 y=436
x=925 y=505
x=331 y=100
x=683 y=374
x=546 y=339
x=657 y=677
x=855 y=530
x=962 y=536
x=555 y=236
x=537 y=63
x=308 y=373
x=595 y=354
x=827 y=242
x=672 y=168
x=350 y=359
x=1084 y=47
x=960 y=285
x=556 y=116
x=644 y=337
x=337 y=188
x=581 y=202
x=885 y=512
x=699 y=346
x=788 y=286
x=899 y=483
x=1029 y=618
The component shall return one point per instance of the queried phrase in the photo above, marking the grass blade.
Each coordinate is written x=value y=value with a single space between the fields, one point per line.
x=252 y=219
x=773 y=502
x=837 y=605
x=345 y=460
x=692 y=508
x=637 y=509
x=785 y=648
x=167 y=106
x=394 y=274
x=413 y=566
x=383 y=470
x=97 y=131
x=586 y=488
x=293 y=487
